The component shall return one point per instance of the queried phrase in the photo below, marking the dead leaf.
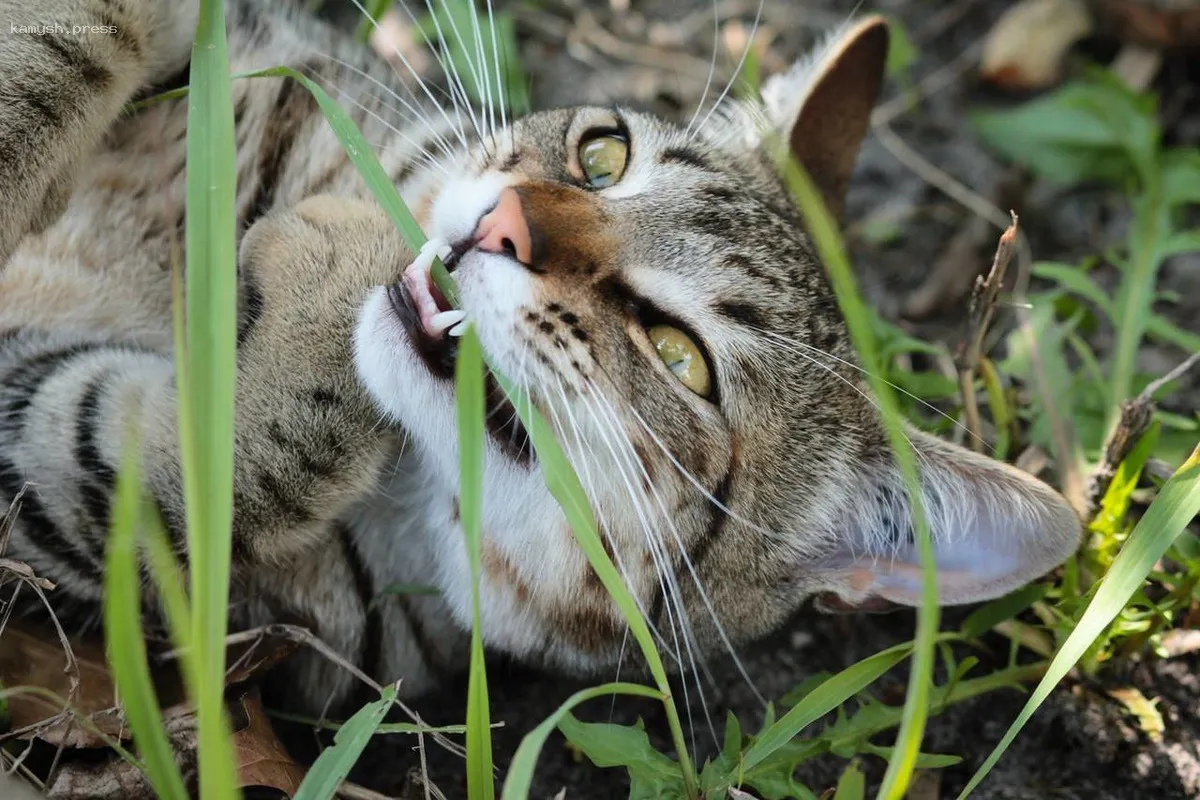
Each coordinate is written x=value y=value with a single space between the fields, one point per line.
x=1146 y=711
x=262 y=761
x=1026 y=47
x=926 y=785
x=29 y=659
x=1180 y=642
x=14 y=788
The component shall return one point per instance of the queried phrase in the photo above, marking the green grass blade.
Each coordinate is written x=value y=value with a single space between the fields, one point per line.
x=1176 y=505
x=125 y=643
x=565 y=487
x=206 y=414
x=520 y=772
x=820 y=701
x=852 y=785
x=823 y=230
x=334 y=763
x=1135 y=295
x=469 y=403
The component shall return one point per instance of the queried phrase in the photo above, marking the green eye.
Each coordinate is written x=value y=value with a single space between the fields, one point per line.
x=682 y=356
x=602 y=159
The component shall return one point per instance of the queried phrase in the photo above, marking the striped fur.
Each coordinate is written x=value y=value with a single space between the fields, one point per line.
x=722 y=515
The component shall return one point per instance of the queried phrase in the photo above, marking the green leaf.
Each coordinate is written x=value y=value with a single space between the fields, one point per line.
x=651 y=774
x=1110 y=519
x=1181 y=176
x=853 y=783
x=334 y=763
x=520 y=772
x=1094 y=130
x=992 y=614
x=125 y=644
x=714 y=775
x=1161 y=328
x=1182 y=242
x=1175 y=507
x=205 y=378
x=488 y=65
x=469 y=403
x=1074 y=279
x=1135 y=295
x=902 y=53
x=821 y=700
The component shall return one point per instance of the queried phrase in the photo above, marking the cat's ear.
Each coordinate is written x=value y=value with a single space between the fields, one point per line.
x=822 y=105
x=994 y=527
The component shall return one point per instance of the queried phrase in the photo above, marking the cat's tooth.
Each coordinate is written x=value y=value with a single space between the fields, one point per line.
x=442 y=320
x=431 y=248
x=458 y=330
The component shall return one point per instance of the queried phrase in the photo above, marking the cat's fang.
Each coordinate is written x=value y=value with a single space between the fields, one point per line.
x=444 y=320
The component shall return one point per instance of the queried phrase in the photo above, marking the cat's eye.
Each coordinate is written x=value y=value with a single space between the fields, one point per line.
x=683 y=357
x=602 y=159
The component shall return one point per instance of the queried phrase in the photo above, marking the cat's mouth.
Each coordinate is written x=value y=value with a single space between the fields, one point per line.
x=433 y=327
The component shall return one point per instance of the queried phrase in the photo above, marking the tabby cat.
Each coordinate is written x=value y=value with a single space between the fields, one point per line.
x=650 y=284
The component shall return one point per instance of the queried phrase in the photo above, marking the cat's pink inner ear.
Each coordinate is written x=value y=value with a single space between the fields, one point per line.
x=994 y=529
x=834 y=116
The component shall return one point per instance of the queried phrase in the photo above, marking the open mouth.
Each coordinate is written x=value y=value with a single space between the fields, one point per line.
x=433 y=327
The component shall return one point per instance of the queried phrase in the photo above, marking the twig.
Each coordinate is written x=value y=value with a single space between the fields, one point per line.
x=305 y=637
x=1062 y=434
x=1136 y=415
x=352 y=791
x=979 y=318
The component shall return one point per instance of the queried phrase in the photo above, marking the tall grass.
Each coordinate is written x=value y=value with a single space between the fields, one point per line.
x=206 y=375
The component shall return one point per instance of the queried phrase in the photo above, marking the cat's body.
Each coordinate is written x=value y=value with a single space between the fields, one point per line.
x=346 y=462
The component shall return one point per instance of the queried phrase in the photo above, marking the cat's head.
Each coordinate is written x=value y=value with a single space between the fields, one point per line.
x=653 y=288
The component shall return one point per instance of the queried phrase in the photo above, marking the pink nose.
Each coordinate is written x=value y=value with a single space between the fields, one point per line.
x=504 y=229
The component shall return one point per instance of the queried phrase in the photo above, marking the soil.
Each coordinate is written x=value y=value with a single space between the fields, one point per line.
x=1081 y=743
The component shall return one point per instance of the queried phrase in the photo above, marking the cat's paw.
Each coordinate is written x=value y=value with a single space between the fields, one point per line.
x=312 y=267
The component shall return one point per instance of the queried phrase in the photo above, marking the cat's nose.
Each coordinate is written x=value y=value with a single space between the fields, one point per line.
x=505 y=230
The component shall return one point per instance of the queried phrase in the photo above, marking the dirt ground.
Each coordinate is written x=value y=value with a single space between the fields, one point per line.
x=1079 y=745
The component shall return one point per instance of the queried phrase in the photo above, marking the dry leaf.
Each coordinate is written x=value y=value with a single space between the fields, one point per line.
x=29 y=659
x=262 y=761
x=1180 y=642
x=1026 y=47
x=1148 y=717
x=14 y=788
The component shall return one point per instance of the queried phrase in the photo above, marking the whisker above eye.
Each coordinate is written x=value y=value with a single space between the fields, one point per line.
x=424 y=86
x=736 y=72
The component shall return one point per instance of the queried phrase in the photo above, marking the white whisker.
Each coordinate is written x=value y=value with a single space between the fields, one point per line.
x=407 y=65
x=736 y=72
x=712 y=67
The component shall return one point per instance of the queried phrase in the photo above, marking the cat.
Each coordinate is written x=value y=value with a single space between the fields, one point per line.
x=650 y=283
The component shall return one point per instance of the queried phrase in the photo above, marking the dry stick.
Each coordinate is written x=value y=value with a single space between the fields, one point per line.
x=305 y=637
x=1136 y=416
x=979 y=318
x=1062 y=434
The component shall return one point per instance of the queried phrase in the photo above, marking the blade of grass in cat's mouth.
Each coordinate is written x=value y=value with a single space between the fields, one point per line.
x=438 y=350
